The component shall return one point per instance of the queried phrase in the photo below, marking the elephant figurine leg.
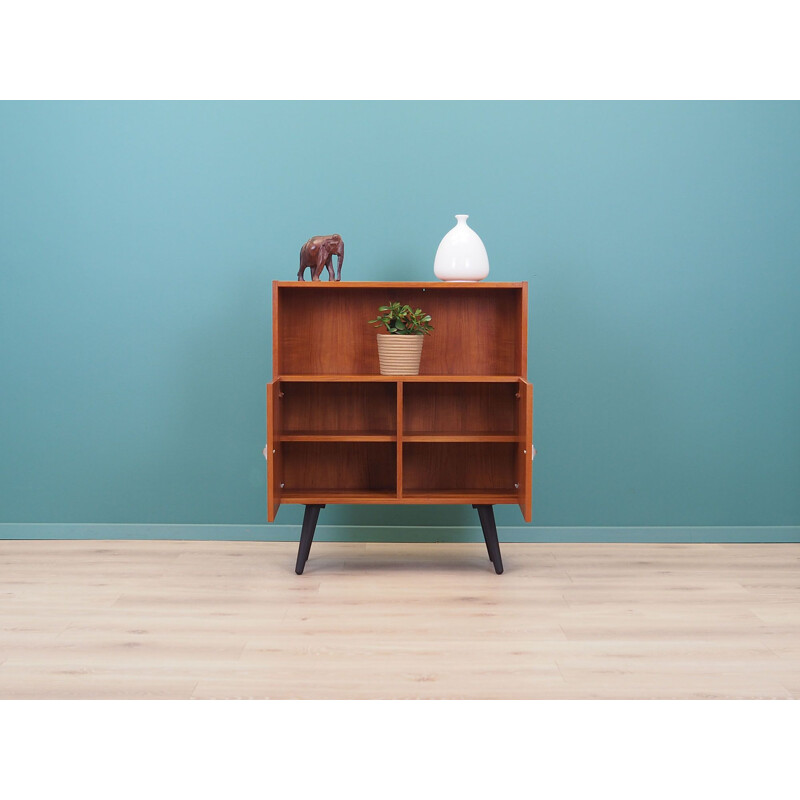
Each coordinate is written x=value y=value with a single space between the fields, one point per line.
x=304 y=262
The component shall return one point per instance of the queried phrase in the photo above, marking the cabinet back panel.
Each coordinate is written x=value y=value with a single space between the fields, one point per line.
x=459 y=465
x=460 y=408
x=339 y=466
x=339 y=407
x=325 y=331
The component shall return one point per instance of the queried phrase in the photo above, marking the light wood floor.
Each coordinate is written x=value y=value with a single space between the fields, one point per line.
x=231 y=620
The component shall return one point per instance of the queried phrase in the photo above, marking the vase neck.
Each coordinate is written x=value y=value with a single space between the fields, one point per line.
x=461 y=219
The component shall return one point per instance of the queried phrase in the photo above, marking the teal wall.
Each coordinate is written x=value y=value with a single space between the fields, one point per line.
x=661 y=242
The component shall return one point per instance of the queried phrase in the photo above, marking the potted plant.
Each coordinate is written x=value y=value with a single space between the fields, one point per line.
x=400 y=347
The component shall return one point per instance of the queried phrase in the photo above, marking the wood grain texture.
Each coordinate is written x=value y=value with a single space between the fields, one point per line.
x=339 y=408
x=323 y=495
x=276 y=363
x=426 y=285
x=169 y=619
x=460 y=496
x=400 y=434
x=460 y=466
x=459 y=432
x=274 y=470
x=522 y=324
x=323 y=332
x=450 y=408
x=525 y=447
x=325 y=436
x=478 y=436
x=352 y=378
x=360 y=466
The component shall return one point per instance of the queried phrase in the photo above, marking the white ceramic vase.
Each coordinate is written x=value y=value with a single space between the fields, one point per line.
x=461 y=255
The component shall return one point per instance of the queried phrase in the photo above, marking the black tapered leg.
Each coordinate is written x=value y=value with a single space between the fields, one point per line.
x=486 y=516
x=488 y=549
x=310 y=518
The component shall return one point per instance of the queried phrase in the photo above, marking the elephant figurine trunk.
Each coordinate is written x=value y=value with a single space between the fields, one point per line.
x=317 y=254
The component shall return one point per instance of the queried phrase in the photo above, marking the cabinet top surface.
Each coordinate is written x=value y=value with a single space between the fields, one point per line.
x=326 y=285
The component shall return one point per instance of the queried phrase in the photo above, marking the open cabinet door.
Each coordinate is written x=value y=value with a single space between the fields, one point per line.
x=274 y=465
x=525 y=454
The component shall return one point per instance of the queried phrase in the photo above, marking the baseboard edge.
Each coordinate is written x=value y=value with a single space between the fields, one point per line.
x=412 y=533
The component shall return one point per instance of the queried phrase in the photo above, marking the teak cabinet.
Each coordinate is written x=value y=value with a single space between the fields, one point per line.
x=340 y=432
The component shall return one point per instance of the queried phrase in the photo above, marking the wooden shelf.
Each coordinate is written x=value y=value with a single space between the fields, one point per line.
x=410 y=496
x=459 y=496
x=405 y=285
x=457 y=436
x=320 y=436
x=329 y=378
x=323 y=496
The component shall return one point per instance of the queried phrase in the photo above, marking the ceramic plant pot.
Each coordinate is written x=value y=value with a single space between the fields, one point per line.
x=461 y=255
x=399 y=355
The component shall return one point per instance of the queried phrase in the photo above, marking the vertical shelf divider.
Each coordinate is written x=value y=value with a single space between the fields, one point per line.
x=399 y=432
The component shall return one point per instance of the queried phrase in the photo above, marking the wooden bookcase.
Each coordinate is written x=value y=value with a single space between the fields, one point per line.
x=340 y=432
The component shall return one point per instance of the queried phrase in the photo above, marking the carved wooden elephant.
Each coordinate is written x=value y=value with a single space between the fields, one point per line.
x=317 y=254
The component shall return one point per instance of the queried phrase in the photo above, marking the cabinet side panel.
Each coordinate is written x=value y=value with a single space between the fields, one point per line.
x=522 y=355
x=276 y=366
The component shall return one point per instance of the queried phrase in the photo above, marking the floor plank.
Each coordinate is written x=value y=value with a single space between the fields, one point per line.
x=178 y=619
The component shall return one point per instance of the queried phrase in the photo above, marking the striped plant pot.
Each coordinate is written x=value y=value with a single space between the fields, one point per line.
x=399 y=355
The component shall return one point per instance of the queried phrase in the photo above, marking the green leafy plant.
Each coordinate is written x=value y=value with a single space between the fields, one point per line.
x=403 y=320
